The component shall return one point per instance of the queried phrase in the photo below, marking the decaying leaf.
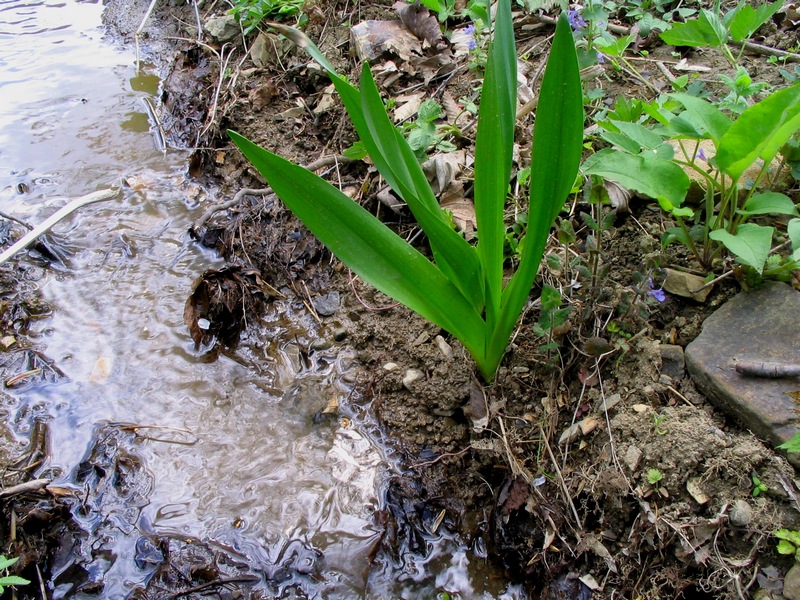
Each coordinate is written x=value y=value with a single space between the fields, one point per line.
x=407 y=105
x=513 y=495
x=219 y=303
x=419 y=21
x=371 y=39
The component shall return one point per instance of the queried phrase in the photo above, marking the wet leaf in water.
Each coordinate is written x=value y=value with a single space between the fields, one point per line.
x=218 y=304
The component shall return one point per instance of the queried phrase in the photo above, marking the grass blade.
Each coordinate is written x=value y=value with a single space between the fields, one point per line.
x=493 y=149
x=557 y=147
x=368 y=247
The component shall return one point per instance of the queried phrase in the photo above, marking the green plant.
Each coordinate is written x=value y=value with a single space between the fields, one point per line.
x=758 y=486
x=658 y=424
x=9 y=580
x=713 y=29
x=737 y=177
x=654 y=476
x=250 y=13
x=551 y=316
x=789 y=542
x=462 y=289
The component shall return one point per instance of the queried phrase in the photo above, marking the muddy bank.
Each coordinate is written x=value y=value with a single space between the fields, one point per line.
x=544 y=475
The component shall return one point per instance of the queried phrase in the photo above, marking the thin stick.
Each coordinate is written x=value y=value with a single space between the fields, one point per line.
x=767 y=370
x=23 y=488
x=63 y=212
x=141 y=28
x=561 y=481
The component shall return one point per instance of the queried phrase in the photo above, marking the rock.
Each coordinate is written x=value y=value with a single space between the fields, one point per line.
x=632 y=457
x=673 y=362
x=267 y=49
x=390 y=366
x=791 y=583
x=411 y=376
x=741 y=513
x=444 y=347
x=759 y=326
x=223 y=29
x=696 y=491
x=683 y=284
x=321 y=344
x=7 y=342
x=371 y=39
x=327 y=304
x=340 y=334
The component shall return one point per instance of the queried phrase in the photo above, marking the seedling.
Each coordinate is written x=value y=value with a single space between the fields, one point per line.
x=250 y=13
x=9 y=580
x=461 y=289
x=654 y=478
x=758 y=486
x=658 y=424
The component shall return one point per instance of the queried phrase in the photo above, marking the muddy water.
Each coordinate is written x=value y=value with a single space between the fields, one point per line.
x=223 y=449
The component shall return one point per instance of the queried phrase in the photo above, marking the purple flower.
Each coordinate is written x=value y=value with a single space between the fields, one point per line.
x=655 y=292
x=469 y=30
x=575 y=20
x=601 y=58
x=701 y=155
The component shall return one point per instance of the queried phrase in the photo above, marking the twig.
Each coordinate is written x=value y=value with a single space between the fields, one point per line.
x=161 y=138
x=767 y=51
x=23 y=488
x=63 y=212
x=767 y=370
x=215 y=583
x=141 y=28
x=326 y=161
x=561 y=481
x=42 y=588
x=8 y=217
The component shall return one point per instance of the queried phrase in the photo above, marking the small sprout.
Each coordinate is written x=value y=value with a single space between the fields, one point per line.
x=654 y=476
x=758 y=486
x=658 y=421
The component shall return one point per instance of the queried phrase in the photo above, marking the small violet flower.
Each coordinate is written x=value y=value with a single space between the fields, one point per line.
x=575 y=20
x=701 y=155
x=601 y=58
x=469 y=30
x=655 y=292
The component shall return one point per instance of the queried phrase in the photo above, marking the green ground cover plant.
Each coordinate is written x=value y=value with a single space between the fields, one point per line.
x=462 y=289
x=738 y=177
x=250 y=13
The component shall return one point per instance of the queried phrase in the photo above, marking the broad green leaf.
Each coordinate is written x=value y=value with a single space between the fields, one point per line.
x=13 y=580
x=706 y=115
x=622 y=141
x=648 y=175
x=748 y=19
x=790 y=535
x=751 y=243
x=760 y=132
x=557 y=147
x=769 y=203
x=645 y=137
x=368 y=247
x=704 y=31
x=7 y=562
x=615 y=47
x=493 y=155
x=793 y=230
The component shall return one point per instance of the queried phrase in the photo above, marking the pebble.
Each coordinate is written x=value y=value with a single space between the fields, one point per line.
x=444 y=347
x=411 y=376
x=632 y=457
x=340 y=334
x=321 y=344
x=327 y=304
x=390 y=366
x=791 y=583
x=741 y=513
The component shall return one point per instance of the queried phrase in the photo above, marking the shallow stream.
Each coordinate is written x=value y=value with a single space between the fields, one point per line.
x=222 y=449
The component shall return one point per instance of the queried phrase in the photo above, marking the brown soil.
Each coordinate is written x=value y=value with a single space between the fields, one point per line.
x=551 y=507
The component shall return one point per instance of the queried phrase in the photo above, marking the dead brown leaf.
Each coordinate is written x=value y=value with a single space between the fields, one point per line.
x=419 y=21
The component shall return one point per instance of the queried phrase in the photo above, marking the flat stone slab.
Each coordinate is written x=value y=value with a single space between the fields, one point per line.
x=761 y=326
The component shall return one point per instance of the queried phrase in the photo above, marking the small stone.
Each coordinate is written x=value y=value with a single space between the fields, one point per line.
x=696 y=491
x=684 y=285
x=340 y=334
x=791 y=583
x=632 y=457
x=570 y=434
x=673 y=363
x=640 y=408
x=8 y=341
x=327 y=304
x=223 y=29
x=588 y=425
x=321 y=344
x=390 y=366
x=411 y=376
x=444 y=347
x=421 y=339
x=741 y=513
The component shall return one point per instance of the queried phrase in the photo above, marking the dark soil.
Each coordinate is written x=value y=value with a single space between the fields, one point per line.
x=568 y=511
